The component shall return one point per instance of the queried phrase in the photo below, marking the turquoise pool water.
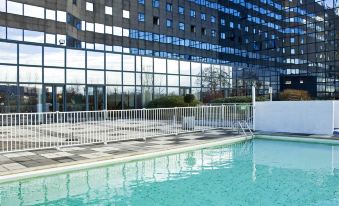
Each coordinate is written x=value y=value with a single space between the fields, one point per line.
x=258 y=172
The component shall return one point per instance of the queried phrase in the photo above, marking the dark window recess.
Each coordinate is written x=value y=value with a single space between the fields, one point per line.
x=71 y=20
x=257 y=46
x=232 y=36
x=240 y=39
x=156 y=20
x=193 y=28
x=243 y=15
x=203 y=31
x=72 y=42
x=74 y=2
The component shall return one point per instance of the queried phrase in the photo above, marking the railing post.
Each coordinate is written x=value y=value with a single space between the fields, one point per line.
x=223 y=116
x=57 y=122
x=175 y=120
x=145 y=121
x=105 y=126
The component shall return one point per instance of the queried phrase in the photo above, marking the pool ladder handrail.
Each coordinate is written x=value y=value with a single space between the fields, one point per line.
x=241 y=126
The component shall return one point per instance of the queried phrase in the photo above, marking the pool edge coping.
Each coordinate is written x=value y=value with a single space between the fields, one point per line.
x=101 y=162
x=318 y=140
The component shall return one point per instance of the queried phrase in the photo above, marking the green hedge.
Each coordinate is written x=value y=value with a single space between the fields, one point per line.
x=239 y=99
x=171 y=101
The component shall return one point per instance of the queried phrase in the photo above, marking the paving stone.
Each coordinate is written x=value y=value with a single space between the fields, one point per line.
x=13 y=166
x=18 y=154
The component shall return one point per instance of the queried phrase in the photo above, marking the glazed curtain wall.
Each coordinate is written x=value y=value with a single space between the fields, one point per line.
x=129 y=81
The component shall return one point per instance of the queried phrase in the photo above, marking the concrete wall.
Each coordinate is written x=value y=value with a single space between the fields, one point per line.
x=309 y=117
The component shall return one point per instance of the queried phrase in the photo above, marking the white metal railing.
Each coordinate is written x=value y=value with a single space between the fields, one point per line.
x=33 y=131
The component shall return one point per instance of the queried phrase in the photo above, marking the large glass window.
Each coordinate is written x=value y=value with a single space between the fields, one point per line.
x=14 y=7
x=196 y=68
x=129 y=78
x=8 y=95
x=113 y=61
x=8 y=73
x=34 y=11
x=147 y=64
x=95 y=60
x=26 y=57
x=185 y=81
x=129 y=63
x=159 y=65
x=113 y=78
x=30 y=98
x=8 y=53
x=159 y=79
x=33 y=36
x=14 y=34
x=129 y=93
x=75 y=58
x=76 y=98
x=172 y=66
x=54 y=56
x=173 y=80
x=52 y=75
x=30 y=74
x=95 y=77
x=75 y=76
x=185 y=68
x=61 y=16
x=113 y=97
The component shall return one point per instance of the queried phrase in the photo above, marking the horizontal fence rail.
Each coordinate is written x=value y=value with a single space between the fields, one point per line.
x=33 y=131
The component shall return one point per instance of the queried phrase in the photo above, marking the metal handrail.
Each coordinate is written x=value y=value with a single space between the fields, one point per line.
x=240 y=126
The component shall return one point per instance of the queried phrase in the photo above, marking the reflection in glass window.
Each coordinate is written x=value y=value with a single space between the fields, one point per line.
x=95 y=77
x=50 y=14
x=114 y=97
x=159 y=65
x=129 y=63
x=30 y=74
x=95 y=60
x=54 y=56
x=113 y=78
x=14 y=7
x=173 y=80
x=8 y=53
x=8 y=95
x=33 y=36
x=113 y=61
x=14 y=34
x=8 y=74
x=26 y=54
x=109 y=30
x=75 y=58
x=173 y=91
x=75 y=76
x=172 y=66
x=99 y=28
x=50 y=38
x=159 y=92
x=129 y=93
x=147 y=95
x=30 y=98
x=196 y=68
x=89 y=26
x=108 y=10
x=138 y=64
x=76 y=99
x=125 y=14
x=89 y=6
x=185 y=81
x=159 y=79
x=147 y=64
x=117 y=31
x=196 y=81
x=129 y=78
x=61 y=16
x=61 y=40
x=185 y=67
x=52 y=75
x=34 y=11
x=2 y=5
x=2 y=32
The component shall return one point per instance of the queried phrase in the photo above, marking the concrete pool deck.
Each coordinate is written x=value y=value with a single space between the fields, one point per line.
x=31 y=161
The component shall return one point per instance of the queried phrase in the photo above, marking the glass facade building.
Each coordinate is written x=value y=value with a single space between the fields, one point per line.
x=75 y=55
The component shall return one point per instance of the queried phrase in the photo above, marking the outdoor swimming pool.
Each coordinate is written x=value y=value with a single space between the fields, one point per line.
x=256 y=172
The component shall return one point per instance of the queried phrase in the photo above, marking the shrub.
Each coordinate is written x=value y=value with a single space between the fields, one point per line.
x=171 y=101
x=189 y=98
x=294 y=95
x=239 y=99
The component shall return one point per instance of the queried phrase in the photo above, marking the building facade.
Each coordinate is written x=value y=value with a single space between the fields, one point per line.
x=74 y=55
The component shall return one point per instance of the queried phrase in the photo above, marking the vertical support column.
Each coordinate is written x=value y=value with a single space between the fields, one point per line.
x=253 y=107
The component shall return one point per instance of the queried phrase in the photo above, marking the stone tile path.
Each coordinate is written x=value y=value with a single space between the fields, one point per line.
x=41 y=159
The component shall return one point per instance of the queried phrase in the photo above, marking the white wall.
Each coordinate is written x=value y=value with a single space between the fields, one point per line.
x=336 y=114
x=310 y=117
